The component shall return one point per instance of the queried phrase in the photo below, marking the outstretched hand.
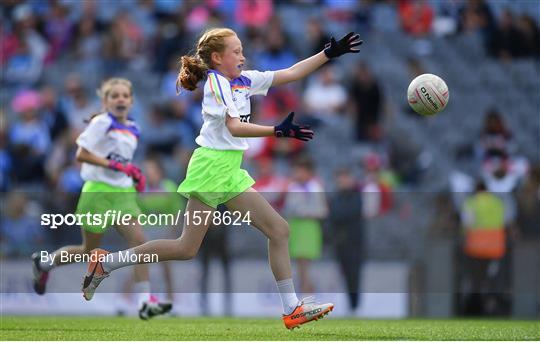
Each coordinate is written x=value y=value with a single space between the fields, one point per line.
x=289 y=129
x=347 y=44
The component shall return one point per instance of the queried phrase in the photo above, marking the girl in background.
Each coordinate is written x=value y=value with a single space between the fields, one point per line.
x=105 y=149
x=305 y=207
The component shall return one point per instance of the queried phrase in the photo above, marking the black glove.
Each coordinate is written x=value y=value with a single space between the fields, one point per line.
x=344 y=45
x=288 y=129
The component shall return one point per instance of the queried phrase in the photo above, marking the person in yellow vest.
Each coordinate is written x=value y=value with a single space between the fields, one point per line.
x=483 y=219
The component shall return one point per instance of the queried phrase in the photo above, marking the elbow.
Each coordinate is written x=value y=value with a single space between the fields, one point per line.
x=233 y=132
x=233 y=129
x=79 y=156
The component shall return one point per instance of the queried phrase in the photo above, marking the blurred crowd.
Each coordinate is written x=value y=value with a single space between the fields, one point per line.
x=43 y=113
x=495 y=206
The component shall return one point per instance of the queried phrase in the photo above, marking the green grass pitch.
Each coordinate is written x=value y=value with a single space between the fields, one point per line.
x=178 y=328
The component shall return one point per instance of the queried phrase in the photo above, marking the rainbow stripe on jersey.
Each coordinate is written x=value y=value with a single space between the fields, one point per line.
x=130 y=128
x=215 y=87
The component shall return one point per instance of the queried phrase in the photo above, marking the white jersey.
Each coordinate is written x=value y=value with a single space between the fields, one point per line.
x=106 y=137
x=222 y=97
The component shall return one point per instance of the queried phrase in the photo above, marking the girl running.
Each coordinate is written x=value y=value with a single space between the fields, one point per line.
x=214 y=175
x=106 y=148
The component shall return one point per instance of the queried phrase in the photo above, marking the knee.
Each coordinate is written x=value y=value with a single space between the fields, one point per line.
x=280 y=231
x=189 y=254
x=136 y=240
x=185 y=251
x=86 y=249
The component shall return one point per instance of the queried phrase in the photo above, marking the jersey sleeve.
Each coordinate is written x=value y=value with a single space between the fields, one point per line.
x=221 y=101
x=260 y=81
x=96 y=130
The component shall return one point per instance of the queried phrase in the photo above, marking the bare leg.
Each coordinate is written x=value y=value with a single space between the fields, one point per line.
x=268 y=221
x=187 y=245
x=135 y=237
x=90 y=241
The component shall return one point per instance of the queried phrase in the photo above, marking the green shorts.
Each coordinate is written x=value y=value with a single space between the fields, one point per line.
x=305 y=239
x=97 y=198
x=214 y=176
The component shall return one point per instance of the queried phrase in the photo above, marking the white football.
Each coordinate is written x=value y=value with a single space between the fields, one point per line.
x=428 y=94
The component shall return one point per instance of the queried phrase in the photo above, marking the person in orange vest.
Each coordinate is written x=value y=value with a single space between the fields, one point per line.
x=483 y=219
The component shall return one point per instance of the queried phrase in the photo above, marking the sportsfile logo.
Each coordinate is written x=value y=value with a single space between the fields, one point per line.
x=312 y=312
x=117 y=218
x=428 y=97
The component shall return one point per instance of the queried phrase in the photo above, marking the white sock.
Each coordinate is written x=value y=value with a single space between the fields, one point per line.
x=288 y=295
x=142 y=289
x=115 y=262
x=46 y=266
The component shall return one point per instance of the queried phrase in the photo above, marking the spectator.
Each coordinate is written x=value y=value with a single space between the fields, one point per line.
x=446 y=22
x=143 y=14
x=5 y=158
x=385 y=17
x=200 y=15
x=70 y=181
x=59 y=31
x=29 y=139
x=269 y=184
x=279 y=101
x=270 y=147
x=529 y=36
x=502 y=177
x=484 y=221
x=168 y=81
x=416 y=17
x=325 y=97
x=25 y=49
x=316 y=37
x=23 y=68
x=376 y=187
x=20 y=232
x=346 y=229
x=77 y=104
x=183 y=123
x=476 y=16
x=254 y=13
x=52 y=113
x=123 y=45
x=305 y=206
x=276 y=54
x=339 y=11
x=194 y=108
x=170 y=42
x=61 y=167
x=366 y=97
x=160 y=134
x=87 y=46
x=505 y=41
x=273 y=108
x=363 y=13
x=496 y=139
